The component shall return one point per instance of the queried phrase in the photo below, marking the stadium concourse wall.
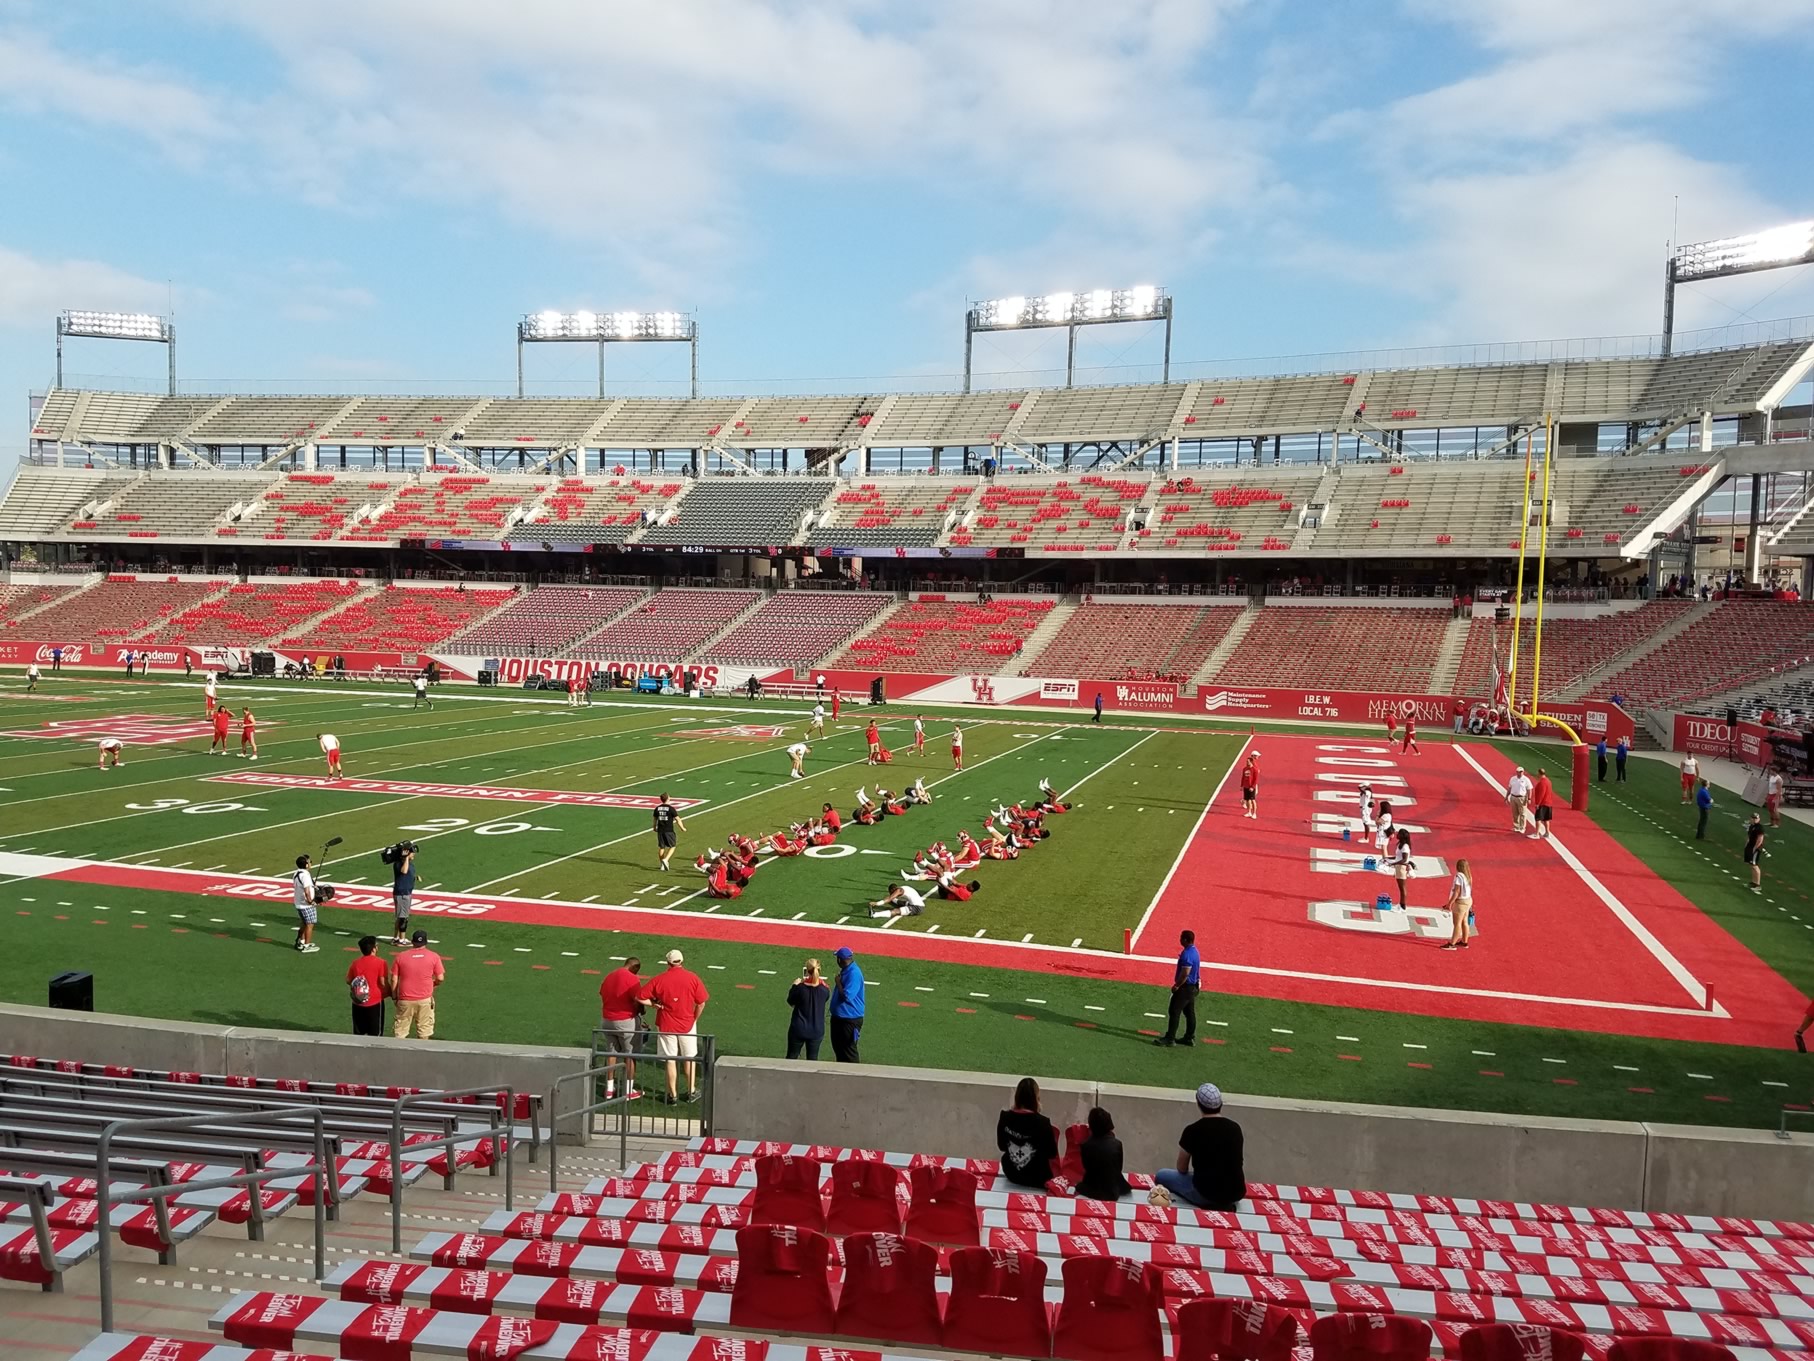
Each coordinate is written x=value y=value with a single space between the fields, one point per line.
x=1686 y=1169
x=241 y=1051
x=1592 y=719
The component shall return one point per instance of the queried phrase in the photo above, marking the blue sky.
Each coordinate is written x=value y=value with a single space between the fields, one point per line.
x=369 y=194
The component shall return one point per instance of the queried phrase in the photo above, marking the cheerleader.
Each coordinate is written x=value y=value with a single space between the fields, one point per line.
x=1398 y=860
x=1461 y=906
x=1366 y=809
x=865 y=811
x=1382 y=827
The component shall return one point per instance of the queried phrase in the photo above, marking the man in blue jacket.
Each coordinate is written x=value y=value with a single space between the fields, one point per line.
x=1703 y=801
x=847 y=1008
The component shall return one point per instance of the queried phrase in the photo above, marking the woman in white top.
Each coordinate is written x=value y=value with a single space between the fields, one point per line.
x=1461 y=906
x=1398 y=860
x=1382 y=828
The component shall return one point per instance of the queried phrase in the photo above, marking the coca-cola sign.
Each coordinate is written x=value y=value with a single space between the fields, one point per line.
x=73 y=654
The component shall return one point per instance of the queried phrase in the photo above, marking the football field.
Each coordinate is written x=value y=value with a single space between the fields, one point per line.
x=1622 y=971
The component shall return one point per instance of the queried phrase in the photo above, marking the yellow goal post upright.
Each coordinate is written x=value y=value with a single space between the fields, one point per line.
x=1534 y=715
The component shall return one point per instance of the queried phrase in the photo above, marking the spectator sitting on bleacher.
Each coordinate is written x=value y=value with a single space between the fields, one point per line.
x=1027 y=1140
x=1209 y=1174
x=1101 y=1154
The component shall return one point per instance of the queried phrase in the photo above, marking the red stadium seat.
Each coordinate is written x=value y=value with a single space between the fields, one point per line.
x=1111 y=1311
x=998 y=1304
x=783 y=1281
x=787 y=1192
x=1521 y=1342
x=866 y=1197
x=944 y=1207
x=1369 y=1337
x=1211 y=1329
x=890 y=1290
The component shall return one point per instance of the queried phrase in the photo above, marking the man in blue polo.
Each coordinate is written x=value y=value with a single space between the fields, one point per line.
x=1187 y=977
x=846 y=1008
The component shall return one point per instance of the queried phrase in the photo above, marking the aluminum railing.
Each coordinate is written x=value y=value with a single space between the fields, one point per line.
x=615 y=1072
x=321 y=1172
x=500 y=1130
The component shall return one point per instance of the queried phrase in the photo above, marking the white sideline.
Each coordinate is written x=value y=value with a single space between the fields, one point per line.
x=1658 y=951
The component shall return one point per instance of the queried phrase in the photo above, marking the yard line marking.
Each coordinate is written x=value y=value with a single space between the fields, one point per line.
x=983 y=995
x=1152 y=1016
x=1036 y=1001
x=522 y=949
x=977 y=936
x=1704 y=1077
x=1166 y=882
x=1548 y=1060
x=1769 y=1083
x=1077 y=942
x=769 y=971
x=1351 y=1039
x=590 y=899
x=1224 y=1024
x=1624 y=1068
x=1024 y=939
x=930 y=930
x=917 y=987
x=1658 y=951
x=715 y=966
x=1280 y=1030
x=570 y=954
x=1409 y=1045
x=1489 y=1054
x=1088 y=1007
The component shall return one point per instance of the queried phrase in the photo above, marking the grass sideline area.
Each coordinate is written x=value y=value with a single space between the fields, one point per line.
x=1141 y=786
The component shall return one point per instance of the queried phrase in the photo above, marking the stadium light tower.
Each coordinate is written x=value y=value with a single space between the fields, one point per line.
x=118 y=326
x=1098 y=306
x=1777 y=248
x=607 y=328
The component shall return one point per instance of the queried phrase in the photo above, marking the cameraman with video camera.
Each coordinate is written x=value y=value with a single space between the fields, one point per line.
x=402 y=860
x=307 y=895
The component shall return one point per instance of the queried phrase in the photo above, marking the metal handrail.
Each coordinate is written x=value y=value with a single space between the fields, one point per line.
x=1782 y=1124
x=321 y=1172
x=612 y=1069
x=502 y=1127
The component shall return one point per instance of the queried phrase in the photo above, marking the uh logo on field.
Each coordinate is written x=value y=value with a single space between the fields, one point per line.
x=1341 y=767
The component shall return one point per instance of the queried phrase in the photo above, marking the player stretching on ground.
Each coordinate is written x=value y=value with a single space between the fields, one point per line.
x=330 y=748
x=223 y=720
x=110 y=753
x=1410 y=736
x=919 y=736
x=1250 y=786
x=208 y=693
x=1691 y=771
x=248 y=734
x=899 y=901
x=957 y=747
x=798 y=754
x=667 y=828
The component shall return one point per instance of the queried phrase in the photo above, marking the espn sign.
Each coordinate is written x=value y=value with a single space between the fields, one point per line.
x=1059 y=689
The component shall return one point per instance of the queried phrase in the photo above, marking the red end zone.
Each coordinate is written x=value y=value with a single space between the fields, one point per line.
x=1574 y=932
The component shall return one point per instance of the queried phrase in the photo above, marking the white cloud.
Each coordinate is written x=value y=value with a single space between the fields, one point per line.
x=34 y=290
x=97 y=90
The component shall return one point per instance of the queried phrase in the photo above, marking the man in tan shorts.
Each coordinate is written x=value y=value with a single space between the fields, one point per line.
x=415 y=974
x=1518 y=795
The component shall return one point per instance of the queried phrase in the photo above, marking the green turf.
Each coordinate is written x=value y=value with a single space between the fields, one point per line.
x=1141 y=791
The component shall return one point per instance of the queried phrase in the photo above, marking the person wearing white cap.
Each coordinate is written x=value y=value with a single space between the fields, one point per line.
x=680 y=997
x=1210 y=1173
x=1517 y=796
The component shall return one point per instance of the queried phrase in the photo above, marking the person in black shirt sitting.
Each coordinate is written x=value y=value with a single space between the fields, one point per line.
x=1209 y=1173
x=1101 y=1153
x=1027 y=1140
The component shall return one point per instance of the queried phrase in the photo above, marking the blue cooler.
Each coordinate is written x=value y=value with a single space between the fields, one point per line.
x=1370 y=863
x=1383 y=902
